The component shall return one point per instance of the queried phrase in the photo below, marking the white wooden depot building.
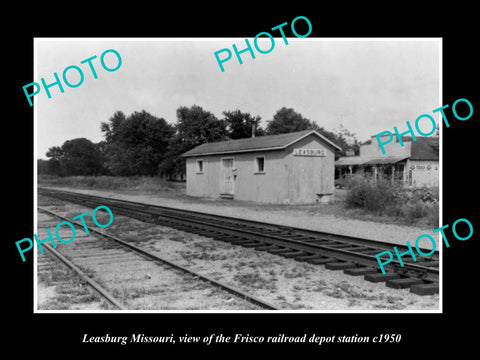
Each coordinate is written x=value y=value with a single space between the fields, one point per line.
x=292 y=168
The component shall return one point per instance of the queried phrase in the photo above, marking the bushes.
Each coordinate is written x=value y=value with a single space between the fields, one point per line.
x=377 y=196
x=413 y=210
x=382 y=197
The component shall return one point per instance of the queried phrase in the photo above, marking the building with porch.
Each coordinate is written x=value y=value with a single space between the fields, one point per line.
x=415 y=164
x=292 y=168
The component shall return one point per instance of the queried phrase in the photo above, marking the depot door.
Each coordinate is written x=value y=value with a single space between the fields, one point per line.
x=227 y=177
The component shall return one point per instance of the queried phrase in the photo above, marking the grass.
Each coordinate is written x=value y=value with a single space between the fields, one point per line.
x=138 y=183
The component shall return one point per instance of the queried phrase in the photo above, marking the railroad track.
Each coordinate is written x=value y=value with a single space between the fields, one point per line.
x=69 y=285
x=355 y=256
x=106 y=259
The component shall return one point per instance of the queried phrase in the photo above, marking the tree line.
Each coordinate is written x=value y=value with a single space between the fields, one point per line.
x=143 y=144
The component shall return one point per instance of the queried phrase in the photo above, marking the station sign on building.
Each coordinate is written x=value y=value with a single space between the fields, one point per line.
x=292 y=168
x=309 y=152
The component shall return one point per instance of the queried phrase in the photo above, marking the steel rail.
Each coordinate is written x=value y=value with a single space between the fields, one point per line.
x=93 y=284
x=237 y=292
x=424 y=272
x=289 y=229
x=340 y=254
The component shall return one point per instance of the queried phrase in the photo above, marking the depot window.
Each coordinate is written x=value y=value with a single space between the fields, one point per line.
x=260 y=165
x=199 y=167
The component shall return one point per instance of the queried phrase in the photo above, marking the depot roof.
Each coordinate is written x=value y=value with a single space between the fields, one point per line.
x=259 y=143
x=357 y=160
x=424 y=148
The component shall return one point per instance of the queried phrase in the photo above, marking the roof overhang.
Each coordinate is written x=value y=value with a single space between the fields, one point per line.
x=234 y=151
x=272 y=148
x=386 y=160
x=357 y=160
x=320 y=136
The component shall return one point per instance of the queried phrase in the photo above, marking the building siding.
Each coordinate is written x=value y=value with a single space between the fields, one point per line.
x=394 y=148
x=421 y=174
x=309 y=176
x=288 y=179
x=267 y=187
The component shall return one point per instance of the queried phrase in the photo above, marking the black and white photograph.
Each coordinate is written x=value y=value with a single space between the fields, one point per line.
x=209 y=180
x=260 y=187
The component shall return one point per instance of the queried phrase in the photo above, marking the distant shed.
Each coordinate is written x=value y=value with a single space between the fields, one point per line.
x=292 y=168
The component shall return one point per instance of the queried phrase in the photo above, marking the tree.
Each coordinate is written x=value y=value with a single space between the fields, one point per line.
x=49 y=167
x=194 y=127
x=239 y=125
x=80 y=157
x=111 y=129
x=346 y=140
x=136 y=144
x=75 y=157
x=287 y=121
x=173 y=165
x=197 y=126
x=55 y=153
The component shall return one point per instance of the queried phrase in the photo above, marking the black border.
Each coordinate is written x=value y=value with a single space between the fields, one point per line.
x=421 y=333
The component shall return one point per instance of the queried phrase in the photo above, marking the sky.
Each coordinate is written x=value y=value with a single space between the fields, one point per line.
x=367 y=85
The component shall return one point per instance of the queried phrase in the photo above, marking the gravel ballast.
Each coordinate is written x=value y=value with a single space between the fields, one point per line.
x=291 y=285
x=297 y=216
